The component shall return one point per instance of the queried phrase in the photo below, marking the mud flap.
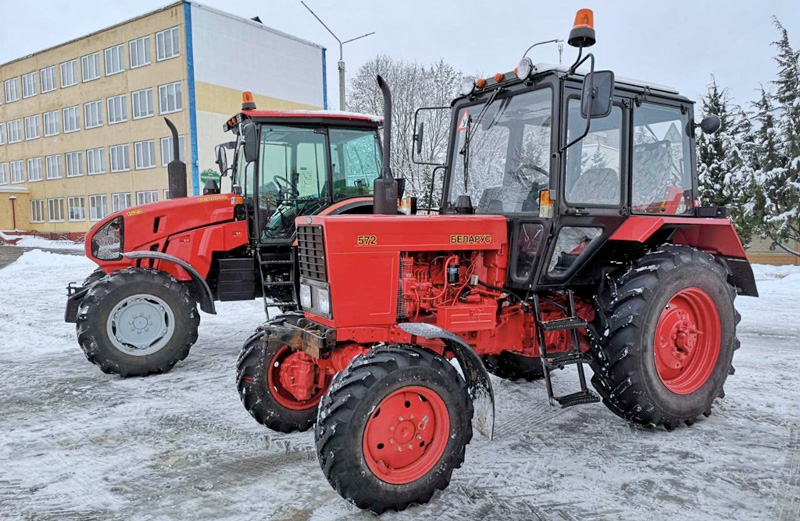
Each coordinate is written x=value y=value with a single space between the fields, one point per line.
x=478 y=383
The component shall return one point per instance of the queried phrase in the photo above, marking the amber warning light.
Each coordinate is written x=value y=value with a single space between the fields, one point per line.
x=582 y=33
x=247 y=101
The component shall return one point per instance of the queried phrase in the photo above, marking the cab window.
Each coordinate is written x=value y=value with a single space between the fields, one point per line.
x=356 y=162
x=593 y=164
x=661 y=166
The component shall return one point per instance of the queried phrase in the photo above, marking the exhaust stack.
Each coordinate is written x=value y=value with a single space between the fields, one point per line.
x=385 y=189
x=176 y=169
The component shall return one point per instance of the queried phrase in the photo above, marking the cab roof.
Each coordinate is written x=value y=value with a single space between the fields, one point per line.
x=318 y=117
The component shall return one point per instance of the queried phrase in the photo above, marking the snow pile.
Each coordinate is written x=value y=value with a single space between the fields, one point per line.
x=30 y=241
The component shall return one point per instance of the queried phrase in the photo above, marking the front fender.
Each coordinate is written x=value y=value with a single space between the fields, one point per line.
x=199 y=286
x=478 y=382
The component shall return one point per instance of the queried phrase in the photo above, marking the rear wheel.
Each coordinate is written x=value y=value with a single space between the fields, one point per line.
x=513 y=366
x=279 y=387
x=393 y=427
x=137 y=322
x=670 y=337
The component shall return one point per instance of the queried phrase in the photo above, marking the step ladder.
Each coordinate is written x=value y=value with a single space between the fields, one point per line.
x=278 y=278
x=551 y=362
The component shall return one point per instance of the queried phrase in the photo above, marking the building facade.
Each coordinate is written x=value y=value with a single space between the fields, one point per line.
x=82 y=132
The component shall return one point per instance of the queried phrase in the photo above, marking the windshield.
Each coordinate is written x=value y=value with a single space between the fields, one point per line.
x=356 y=162
x=508 y=153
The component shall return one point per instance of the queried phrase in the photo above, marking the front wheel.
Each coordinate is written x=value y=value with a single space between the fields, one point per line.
x=137 y=322
x=393 y=427
x=670 y=337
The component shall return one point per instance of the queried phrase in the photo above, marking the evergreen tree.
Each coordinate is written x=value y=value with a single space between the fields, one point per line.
x=724 y=173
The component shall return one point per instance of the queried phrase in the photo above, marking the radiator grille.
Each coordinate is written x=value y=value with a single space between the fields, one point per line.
x=311 y=252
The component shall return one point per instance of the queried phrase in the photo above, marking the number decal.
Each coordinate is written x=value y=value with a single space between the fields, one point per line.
x=366 y=240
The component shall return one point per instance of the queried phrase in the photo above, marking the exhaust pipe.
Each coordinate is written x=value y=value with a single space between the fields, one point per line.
x=176 y=169
x=385 y=188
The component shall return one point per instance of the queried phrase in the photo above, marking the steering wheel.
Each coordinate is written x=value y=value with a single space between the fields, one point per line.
x=283 y=182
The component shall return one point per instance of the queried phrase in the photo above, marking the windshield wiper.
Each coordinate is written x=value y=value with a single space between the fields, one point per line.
x=470 y=132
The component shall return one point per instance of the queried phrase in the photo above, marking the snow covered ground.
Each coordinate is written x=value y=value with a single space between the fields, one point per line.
x=79 y=444
x=30 y=241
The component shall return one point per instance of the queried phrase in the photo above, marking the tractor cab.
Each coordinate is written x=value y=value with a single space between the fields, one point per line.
x=287 y=164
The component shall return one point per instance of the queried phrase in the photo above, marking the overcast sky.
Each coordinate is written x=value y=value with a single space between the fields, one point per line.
x=680 y=43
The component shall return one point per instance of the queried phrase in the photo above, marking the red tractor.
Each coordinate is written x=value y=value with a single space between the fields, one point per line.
x=137 y=315
x=569 y=233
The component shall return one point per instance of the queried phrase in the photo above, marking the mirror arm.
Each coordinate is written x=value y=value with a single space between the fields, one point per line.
x=415 y=136
x=433 y=183
x=589 y=57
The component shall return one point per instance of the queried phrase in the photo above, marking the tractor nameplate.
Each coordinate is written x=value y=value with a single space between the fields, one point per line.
x=366 y=240
x=471 y=239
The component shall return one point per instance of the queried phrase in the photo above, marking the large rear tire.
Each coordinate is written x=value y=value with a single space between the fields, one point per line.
x=669 y=338
x=137 y=322
x=264 y=392
x=393 y=427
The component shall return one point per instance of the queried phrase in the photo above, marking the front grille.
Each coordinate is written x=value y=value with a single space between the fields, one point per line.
x=311 y=252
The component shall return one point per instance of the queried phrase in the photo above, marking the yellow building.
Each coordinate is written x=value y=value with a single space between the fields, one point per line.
x=81 y=124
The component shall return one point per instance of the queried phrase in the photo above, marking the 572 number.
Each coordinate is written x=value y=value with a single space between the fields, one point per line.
x=366 y=240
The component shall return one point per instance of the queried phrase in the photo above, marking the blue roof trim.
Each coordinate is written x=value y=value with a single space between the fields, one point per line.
x=324 y=80
x=187 y=10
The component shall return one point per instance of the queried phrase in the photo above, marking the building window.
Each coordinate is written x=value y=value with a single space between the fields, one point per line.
x=72 y=119
x=166 y=149
x=14 y=131
x=48 y=77
x=3 y=174
x=145 y=154
x=167 y=44
x=76 y=210
x=69 y=73
x=29 y=85
x=166 y=195
x=55 y=210
x=37 y=211
x=115 y=59
x=74 y=161
x=98 y=207
x=50 y=123
x=142 y=103
x=170 y=98
x=2 y=134
x=120 y=158
x=140 y=52
x=93 y=114
x=34 y=169
x=53 y=166
x=17 y=174
x=147 y=197
x=12 y=90
x=32 y=127
x=96 y=161
x=117 y=112
x=90 y=67
x=120 y=201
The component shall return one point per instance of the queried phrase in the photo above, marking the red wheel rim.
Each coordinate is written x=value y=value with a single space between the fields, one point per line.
x=406 y=435
x=687 y=341
x=280 y=392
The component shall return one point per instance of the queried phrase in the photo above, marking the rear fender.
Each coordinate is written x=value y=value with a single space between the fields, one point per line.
x=200 y=288
x=478 y=382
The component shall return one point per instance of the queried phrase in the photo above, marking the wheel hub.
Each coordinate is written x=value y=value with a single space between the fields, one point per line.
x=140 y=325
x=406 y=434
x=295 y=380
x=687 y=341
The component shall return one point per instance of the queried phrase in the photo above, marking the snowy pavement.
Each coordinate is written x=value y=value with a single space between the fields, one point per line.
x=79 y=444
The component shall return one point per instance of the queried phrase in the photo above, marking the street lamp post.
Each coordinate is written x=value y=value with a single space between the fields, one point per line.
x=341 y=54
x=13 y=211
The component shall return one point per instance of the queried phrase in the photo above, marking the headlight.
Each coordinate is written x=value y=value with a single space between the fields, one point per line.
x=107 y=241
x=323 y=301
x=305 y=296
x=524 y=68
x=467 y=86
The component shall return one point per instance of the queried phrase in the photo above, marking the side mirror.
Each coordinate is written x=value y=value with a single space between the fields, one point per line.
x=710 y=124
x=250 y=133
x=222 y=159
x=418 y=137
x=598 y=89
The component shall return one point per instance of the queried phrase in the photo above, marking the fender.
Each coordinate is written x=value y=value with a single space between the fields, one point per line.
x=201 y=289
x=478 y=382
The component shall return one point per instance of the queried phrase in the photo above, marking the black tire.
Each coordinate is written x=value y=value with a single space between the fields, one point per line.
x=105 y=294
x=350 y=404
x=631 y=302
x=94 y=277
x=255 y=392
x=513 y=366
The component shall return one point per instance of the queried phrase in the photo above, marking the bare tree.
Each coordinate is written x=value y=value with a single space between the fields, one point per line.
x=413 y=86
